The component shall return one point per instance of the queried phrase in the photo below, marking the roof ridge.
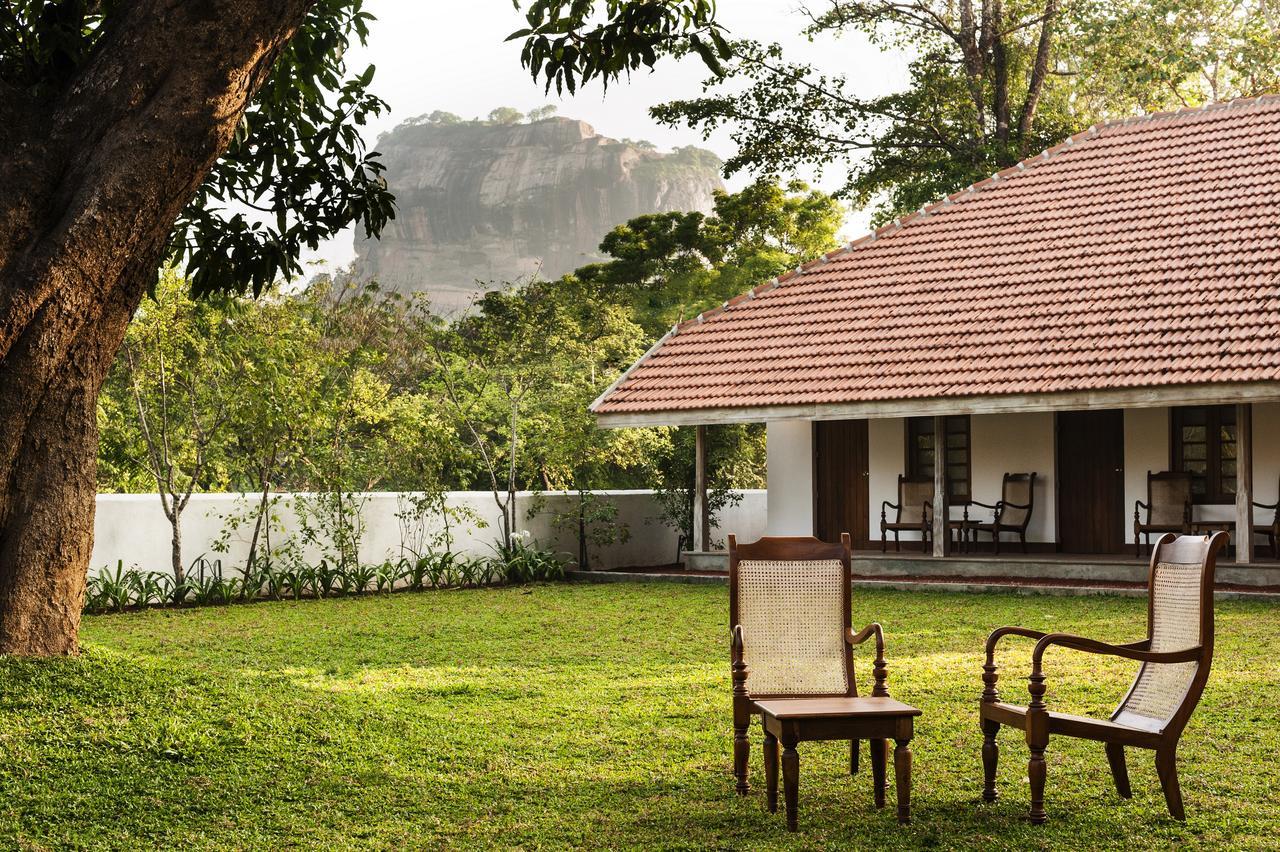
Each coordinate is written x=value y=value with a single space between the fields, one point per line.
x=926 y=210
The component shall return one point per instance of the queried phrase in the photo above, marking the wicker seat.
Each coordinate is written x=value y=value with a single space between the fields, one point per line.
x=1012 y=510
x=1175 y=659
x=914 y=512
x=1168 y=508
x=792 y=663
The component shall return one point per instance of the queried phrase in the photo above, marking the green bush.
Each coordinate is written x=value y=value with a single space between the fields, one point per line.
x=205 y=585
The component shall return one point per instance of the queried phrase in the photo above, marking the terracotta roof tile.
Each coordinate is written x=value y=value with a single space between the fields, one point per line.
x=1140 y=253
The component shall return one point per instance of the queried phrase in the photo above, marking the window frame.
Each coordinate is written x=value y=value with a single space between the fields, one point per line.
x=913 y=465
x=1215 y=417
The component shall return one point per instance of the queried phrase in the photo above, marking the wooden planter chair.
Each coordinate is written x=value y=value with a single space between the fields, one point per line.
x=1012 y=510
x=1272 y=532
x=1168 y=508
x=792 y=646
x=1175 y=658
x=914 y=512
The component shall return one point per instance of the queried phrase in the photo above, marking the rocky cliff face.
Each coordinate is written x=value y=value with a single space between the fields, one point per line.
x=480 y=204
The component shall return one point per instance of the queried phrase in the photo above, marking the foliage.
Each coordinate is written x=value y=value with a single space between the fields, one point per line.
x=668 y=267
x=566 y=43
x=735 y=459
x=522 y=561
x=298 y=161
x=294 y=578
x=277 y=709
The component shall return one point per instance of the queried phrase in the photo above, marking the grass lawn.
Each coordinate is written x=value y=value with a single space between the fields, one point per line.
x=587 y=716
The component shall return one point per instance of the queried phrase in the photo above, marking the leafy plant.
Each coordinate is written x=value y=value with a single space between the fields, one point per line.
x=522 y=561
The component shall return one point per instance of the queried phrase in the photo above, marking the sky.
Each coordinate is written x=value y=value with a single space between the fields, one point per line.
x=452 y=56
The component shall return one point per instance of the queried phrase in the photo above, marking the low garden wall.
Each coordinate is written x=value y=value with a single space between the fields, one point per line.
x=132 y=528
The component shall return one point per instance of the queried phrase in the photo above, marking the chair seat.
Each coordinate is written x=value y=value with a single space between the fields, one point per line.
x=811 y=708
x=1085 y=727
x=913 y=526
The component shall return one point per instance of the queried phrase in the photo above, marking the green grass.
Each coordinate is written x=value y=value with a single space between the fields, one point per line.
x=581 y=716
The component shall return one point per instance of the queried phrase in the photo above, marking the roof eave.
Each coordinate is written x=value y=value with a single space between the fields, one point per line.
x=1156 y=396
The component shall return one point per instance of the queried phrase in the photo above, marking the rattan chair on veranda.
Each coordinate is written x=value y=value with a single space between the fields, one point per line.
x=1175 y=658
x=914 y=512
x=1012 y=512
x=1168 y=507
x=792 y=664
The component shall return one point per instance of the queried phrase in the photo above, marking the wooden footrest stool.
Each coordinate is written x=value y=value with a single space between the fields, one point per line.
x=790 y=721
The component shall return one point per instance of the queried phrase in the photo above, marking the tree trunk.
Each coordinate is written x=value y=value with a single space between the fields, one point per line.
x=175 y=555
x=92 y=178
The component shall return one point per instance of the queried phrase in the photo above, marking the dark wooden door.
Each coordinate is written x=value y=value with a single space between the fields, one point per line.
x=1091 y=481
x=840 y=480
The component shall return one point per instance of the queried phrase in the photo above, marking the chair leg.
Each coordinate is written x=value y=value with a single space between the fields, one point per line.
x=995 y=541
x=853 y=757
x=990 y=759
x=884 y=541
x=879 y=784
x=897 y=542
x=771 y=771
x=1167 y=769
x=902 y=777
x=741 y=751
x=1036 y=772
x=1023 y=536
x=1119 y=770
x=791 y=781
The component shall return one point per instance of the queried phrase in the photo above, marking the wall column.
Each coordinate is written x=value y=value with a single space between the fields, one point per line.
x=701 y=516
x=941 y=514
x=789 y=450
x=1244 y=483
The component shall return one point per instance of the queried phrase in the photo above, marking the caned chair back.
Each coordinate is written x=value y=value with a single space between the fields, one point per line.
x=913 y=494
x=1019 y=490
x=791 y=595
x=1168 y=493
x=1179 y=616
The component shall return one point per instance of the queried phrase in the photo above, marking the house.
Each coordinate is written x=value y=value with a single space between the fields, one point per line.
x=1108 y=307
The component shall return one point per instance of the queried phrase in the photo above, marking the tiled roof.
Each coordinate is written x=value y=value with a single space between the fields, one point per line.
x=1141 y=253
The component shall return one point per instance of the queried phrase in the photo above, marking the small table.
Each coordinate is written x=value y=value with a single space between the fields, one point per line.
x=795 y=720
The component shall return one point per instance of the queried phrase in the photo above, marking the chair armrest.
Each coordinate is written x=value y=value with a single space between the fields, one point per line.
x=990 y=673
x=880 y=669
x=1007 y=505
x=887 y=505
x=1276 y=505
x=995 y=505
x=1130 y=651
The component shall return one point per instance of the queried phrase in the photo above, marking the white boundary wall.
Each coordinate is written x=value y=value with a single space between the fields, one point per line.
x=133 y=528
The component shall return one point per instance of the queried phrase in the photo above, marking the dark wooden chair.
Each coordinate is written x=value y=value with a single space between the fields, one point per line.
x=914 y=512
x=1175 y=659
x=1272 y=532
x=1012 y=512
x=1168 y=508
x=792 y=646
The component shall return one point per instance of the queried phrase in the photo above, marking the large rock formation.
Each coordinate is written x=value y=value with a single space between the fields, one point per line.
x=481 y=204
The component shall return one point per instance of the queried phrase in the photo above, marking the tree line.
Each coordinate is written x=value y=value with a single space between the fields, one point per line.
x=340 y=388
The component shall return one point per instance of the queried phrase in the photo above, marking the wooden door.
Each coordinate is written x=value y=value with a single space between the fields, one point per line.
x=1090 y=470
x=840 y=480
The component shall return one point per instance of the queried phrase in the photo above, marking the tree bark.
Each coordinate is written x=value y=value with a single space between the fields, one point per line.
x=91 y=181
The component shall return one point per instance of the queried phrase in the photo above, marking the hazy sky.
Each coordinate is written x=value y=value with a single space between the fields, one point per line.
x=451 y=56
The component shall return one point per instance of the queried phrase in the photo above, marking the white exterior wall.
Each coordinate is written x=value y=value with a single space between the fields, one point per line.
x=886 y=456
x=1266 y=457
x=789 y=467
x=1146 y=448
x=1014 y=443
x=132 y=528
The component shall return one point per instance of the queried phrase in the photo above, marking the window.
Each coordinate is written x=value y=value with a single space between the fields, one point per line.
x=920 y=453
x=1204 y=445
